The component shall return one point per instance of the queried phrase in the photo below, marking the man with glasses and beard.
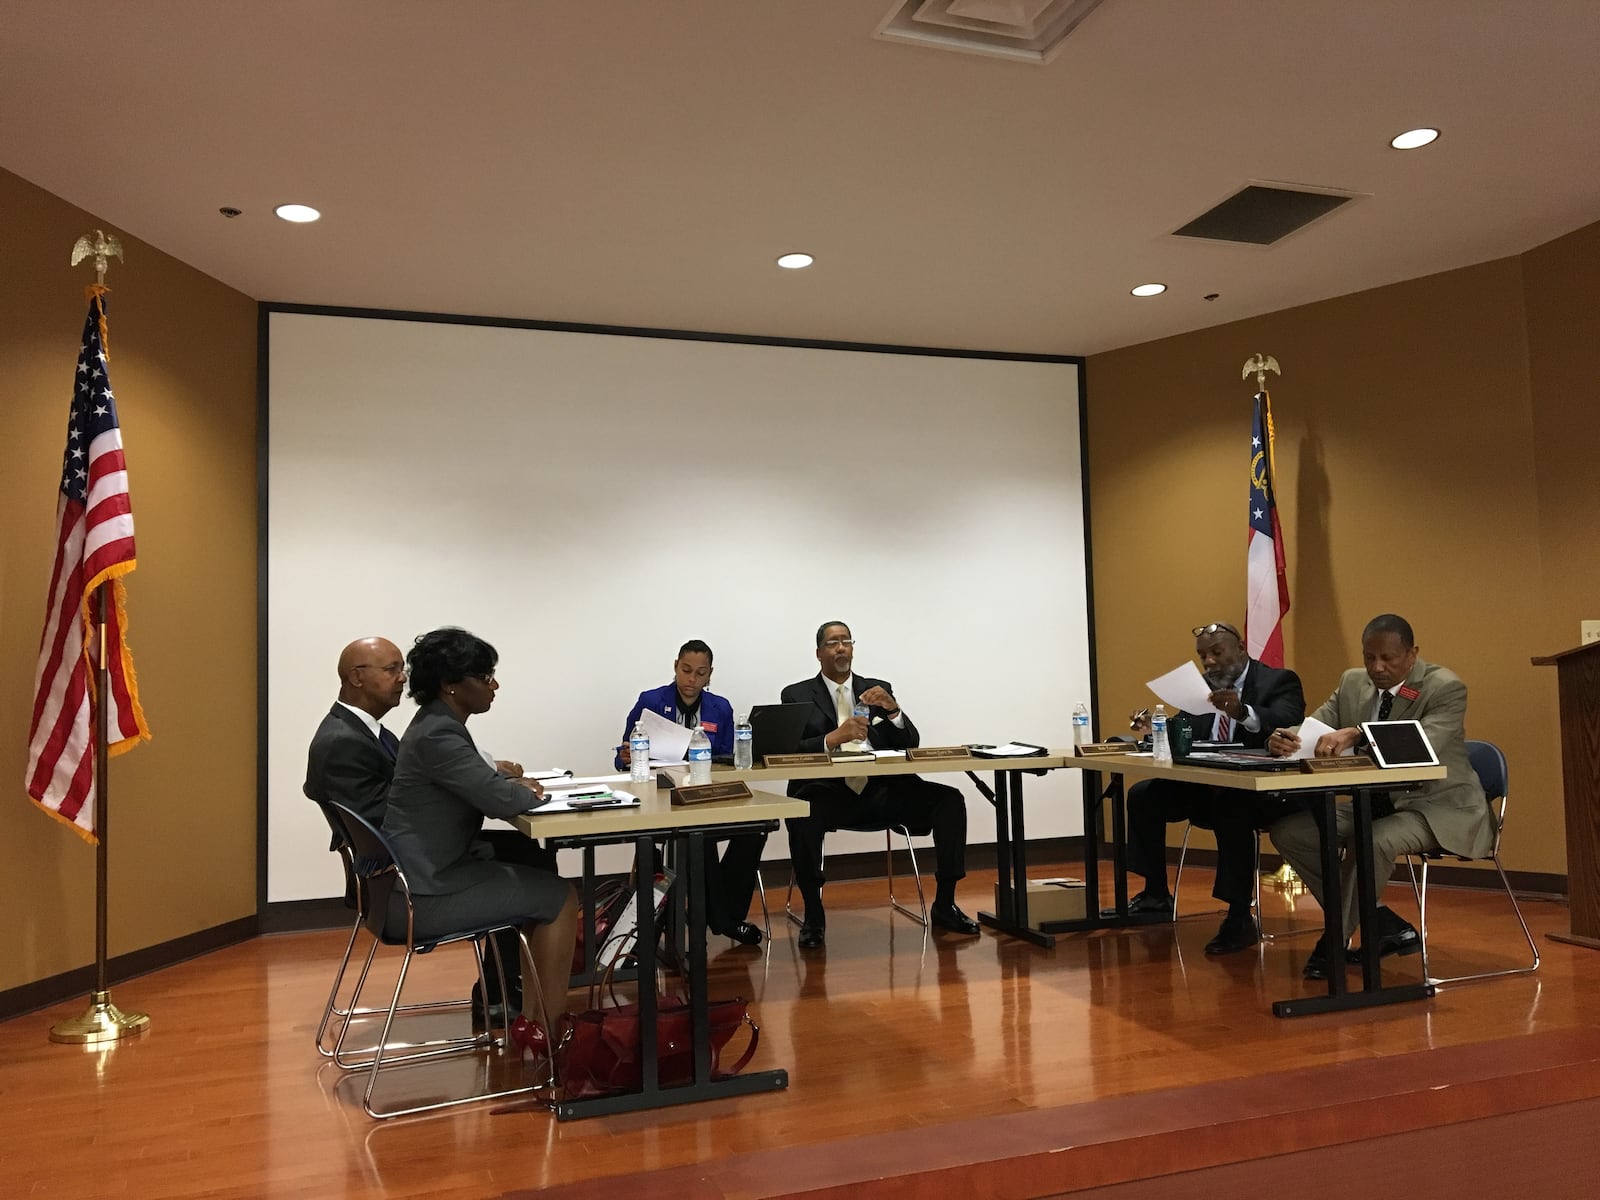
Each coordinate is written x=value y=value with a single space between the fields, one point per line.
x=1253 y=700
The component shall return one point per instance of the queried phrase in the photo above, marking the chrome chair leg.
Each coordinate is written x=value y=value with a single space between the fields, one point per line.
x=920 y=914
x=1422 y=929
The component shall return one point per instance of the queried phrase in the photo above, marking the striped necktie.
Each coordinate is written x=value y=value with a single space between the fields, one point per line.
x=1223 y=728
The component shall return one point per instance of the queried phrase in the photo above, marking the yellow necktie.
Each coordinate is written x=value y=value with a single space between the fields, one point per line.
x=843 y=710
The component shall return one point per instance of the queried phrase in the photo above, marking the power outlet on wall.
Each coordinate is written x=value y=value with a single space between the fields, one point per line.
x=1591 y=631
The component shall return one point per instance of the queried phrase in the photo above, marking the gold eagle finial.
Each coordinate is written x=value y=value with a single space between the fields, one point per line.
x=1261 y=364
x=102 y=247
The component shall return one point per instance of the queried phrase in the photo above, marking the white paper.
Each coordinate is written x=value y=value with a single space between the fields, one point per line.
x=880 y=755
x=1010 y=749
x=1311 y=732
x=544 y=773
x=669 y=741
x=1185 y=690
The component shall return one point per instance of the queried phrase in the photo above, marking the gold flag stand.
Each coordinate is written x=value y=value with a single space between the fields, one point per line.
x=103 y=1021
x=1284 y=878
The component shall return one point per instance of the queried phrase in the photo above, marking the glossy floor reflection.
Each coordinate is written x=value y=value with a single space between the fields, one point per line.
x=885 y=1030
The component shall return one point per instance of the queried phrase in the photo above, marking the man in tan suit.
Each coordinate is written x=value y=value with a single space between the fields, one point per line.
x=1450 y=813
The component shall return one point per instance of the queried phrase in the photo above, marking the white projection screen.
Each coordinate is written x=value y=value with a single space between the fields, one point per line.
x=588 y=501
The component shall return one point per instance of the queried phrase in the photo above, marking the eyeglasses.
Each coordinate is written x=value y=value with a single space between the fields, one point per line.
x=836 y=643
x=488 y=680
x=1214 y=627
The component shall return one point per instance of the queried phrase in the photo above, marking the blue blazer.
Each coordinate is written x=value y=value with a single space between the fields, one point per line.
x=716 y=717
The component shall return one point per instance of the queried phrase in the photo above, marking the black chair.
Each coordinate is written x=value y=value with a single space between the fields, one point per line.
x=353 y=895
x=1490 y=765
x=920 y=914
x=355 y=899
x=381 y=878
x=1255 y=902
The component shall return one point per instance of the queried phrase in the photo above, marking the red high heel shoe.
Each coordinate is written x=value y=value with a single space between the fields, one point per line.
x=528 y=1037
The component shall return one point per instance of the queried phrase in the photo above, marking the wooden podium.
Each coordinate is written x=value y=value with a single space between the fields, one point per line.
x=1578 y=681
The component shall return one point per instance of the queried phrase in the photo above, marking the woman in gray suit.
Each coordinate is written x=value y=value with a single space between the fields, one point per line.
x=442 y=790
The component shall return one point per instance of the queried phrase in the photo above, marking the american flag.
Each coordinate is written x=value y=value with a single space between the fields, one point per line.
x=1267 y=584
x=94 y=545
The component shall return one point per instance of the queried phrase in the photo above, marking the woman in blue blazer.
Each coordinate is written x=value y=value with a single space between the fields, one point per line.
x=730 y=881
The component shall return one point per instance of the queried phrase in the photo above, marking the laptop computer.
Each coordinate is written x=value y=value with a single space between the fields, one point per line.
x=776 y=729
x=1240 y=760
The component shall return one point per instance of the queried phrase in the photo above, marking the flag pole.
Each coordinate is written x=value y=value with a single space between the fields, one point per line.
x=103 y=1021
x=1284 y=878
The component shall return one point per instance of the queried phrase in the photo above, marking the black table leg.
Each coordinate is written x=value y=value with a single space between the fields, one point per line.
x=1372 y=993
x=702 y=1086
x=1011 y=860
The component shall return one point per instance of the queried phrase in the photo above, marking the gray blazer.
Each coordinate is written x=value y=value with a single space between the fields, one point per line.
x=1454 y=807
x=441 y=792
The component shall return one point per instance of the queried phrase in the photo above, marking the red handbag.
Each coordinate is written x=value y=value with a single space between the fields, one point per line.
x=598 y=1052
x=610 y=898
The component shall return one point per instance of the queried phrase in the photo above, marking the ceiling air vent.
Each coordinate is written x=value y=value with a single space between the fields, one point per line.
x=1026 y=30
x=1261 y=214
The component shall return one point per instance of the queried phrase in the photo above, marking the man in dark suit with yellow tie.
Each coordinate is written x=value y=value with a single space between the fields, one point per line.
x=921 y=805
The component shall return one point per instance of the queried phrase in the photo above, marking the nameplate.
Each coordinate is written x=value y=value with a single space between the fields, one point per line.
x=1350 y=762
x=796 y=760
x=700 y=793
x=1092 y=749
x=935 y=753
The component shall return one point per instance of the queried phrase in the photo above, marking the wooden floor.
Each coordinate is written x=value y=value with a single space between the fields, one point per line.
x=902 y=1051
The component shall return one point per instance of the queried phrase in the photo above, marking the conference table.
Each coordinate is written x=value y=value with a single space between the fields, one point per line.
x=1322 y=788
x=654 y=820
x=1010 y=819
x=1011 y=845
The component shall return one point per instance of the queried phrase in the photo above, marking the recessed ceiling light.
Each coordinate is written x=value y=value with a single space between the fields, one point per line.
x=298 y=213
x=1149 y=289
x=793 y=262
x=1412 y=138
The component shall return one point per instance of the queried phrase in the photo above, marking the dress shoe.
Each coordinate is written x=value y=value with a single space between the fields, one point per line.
x=1236 y=933
x=1148 y=904
x=1317 y=964
x=1396 y=935
x=948 y=916
x=497 y=1012
x=812 y=936
x=744 y=933
x=530 y=1038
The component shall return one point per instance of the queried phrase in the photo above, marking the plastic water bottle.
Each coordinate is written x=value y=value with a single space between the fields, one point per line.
x=743 y=743
x=1161 y=749
x=639 y=754
x=699 y=756
x=1080 y=725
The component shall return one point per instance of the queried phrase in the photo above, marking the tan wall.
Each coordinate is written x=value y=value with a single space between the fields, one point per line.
x=183 y=363
x=1427 y=465
x=1563 y=300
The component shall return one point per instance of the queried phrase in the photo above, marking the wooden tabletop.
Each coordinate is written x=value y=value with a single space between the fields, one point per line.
x=1131 y=766
x=656 y=811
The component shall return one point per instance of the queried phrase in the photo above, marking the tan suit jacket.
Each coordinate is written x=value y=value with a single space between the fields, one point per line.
x=1454 y=807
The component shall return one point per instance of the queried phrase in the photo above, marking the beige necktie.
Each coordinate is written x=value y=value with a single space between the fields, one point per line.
x=843 y=710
